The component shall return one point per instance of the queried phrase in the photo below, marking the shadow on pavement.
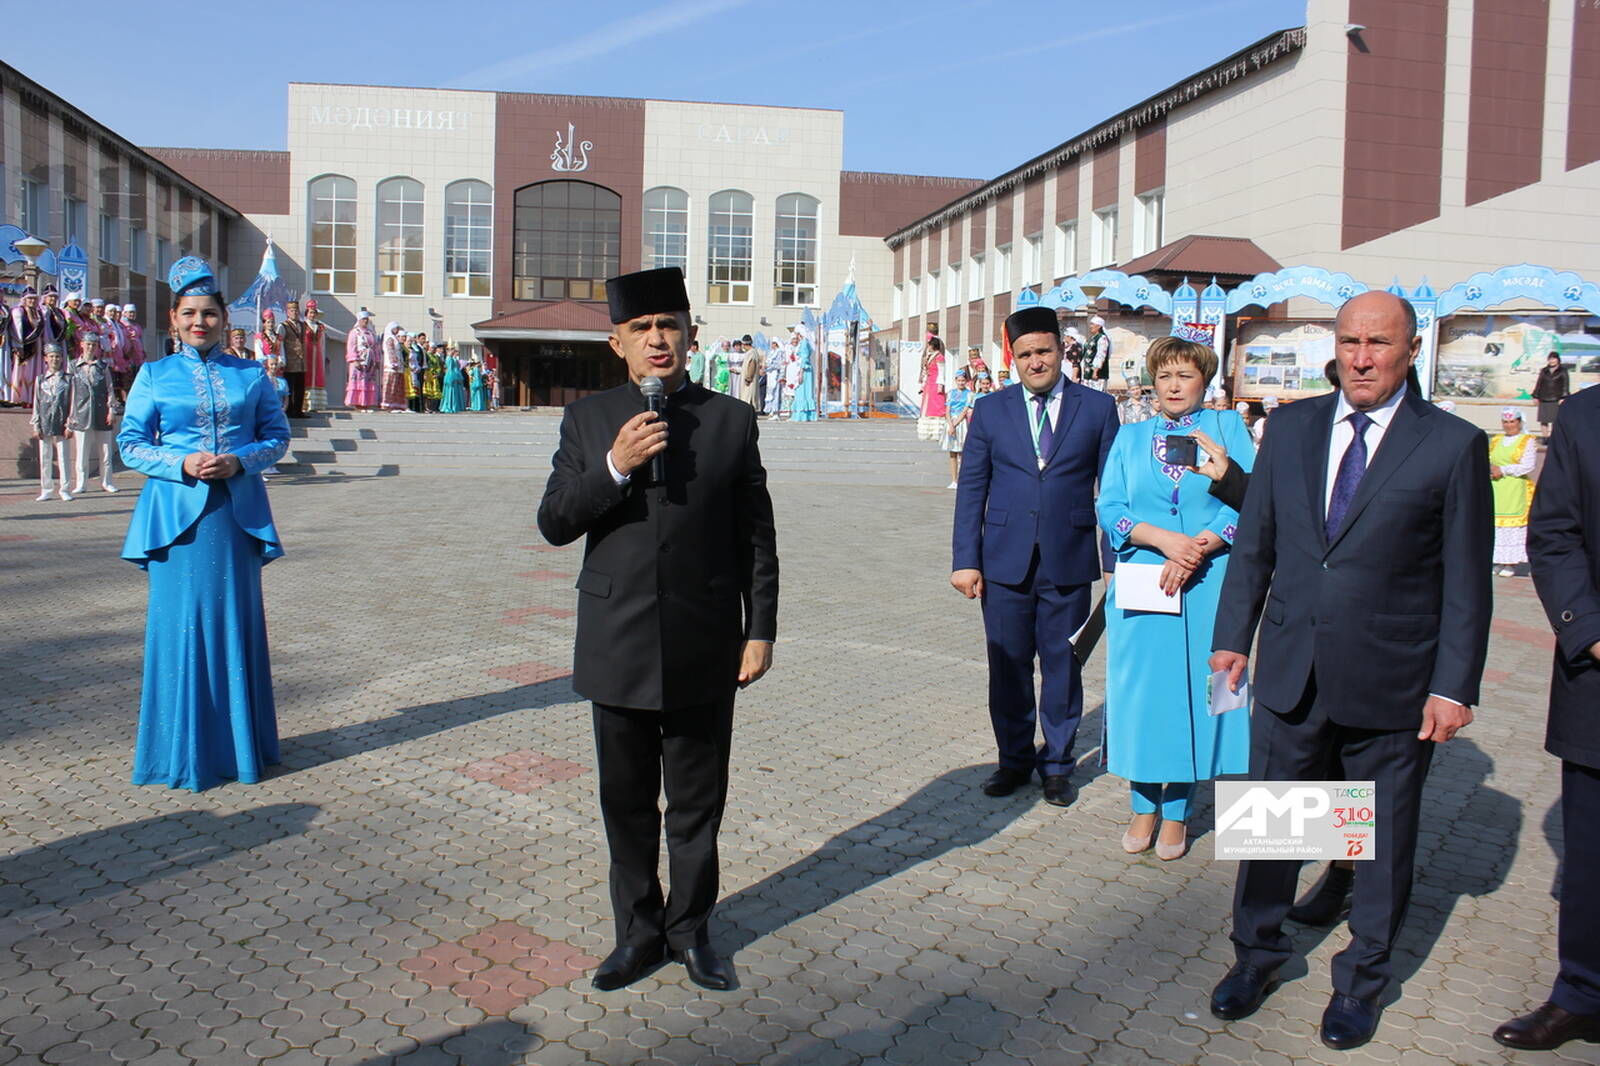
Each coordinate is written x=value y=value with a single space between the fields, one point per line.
x=412 y=723
x=107 y=861
x=490 y=1043
x=946 y=813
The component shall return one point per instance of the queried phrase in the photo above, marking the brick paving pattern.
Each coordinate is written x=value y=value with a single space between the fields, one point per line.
x=423 y=880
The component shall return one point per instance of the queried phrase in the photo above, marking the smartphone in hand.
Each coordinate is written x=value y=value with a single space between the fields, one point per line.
x=1182 y=450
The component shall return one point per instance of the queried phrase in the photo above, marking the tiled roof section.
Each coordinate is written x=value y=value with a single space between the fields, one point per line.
x=875 y=205
x=1199 y=256
x=564 y=314
x=257 y=183
x=1243 y=63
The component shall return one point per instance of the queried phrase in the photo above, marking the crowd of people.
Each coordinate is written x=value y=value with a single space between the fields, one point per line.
x=403 y=371
x=41 y=319
x=779 y=383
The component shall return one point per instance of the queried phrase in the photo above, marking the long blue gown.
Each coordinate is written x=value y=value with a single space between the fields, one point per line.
x=206 y=711
x=480 y=390
x=804 y=406
x=454 y=397
x=1158 y=722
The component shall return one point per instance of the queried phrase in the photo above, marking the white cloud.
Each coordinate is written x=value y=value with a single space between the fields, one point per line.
x=600 y=42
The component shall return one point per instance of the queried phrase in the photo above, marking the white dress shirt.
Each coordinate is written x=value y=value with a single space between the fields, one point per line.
x=1052 y=408
x=1344 y=434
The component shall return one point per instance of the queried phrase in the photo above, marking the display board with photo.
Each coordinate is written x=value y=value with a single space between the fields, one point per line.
x=1283 y=359
x=1498 y=357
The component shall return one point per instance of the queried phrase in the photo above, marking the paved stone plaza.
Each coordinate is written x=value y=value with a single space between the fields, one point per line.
x=423 y=880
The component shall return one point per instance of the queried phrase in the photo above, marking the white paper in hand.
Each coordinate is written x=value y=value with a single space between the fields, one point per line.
x=1223 y=698
x=1138 y=588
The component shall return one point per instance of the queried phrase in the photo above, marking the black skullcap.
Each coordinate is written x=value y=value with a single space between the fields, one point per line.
x=646 y=292
x=1032 y=320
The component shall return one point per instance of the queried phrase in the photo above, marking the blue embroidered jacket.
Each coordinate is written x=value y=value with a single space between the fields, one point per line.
x=200 y=402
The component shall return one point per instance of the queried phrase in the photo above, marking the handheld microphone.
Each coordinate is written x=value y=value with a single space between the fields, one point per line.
x=655 y=399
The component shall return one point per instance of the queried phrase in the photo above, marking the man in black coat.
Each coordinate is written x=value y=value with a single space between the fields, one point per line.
x=1370 y=581
x=677 y=608
x=1564 y=548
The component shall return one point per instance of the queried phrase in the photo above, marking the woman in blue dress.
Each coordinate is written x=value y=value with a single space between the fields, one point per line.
x=480 y=386
x=1160 y=734
x=202 y=426
x=454 y=398
x=804 y=407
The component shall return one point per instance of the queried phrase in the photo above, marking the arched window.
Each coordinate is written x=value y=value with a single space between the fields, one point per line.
x=567 y=239
x=666 y=228
x=729 y=264
x=331 y=214
x=795 y=257
x=400 y=237
x=468 y=229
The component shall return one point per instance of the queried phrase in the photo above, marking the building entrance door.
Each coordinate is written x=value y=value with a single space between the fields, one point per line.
x=554 y=373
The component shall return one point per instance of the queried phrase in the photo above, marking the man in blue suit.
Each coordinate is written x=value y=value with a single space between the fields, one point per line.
x=1026 y=545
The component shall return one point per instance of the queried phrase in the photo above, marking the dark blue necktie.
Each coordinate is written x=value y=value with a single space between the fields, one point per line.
x=1047 y=435
x=1351 y=467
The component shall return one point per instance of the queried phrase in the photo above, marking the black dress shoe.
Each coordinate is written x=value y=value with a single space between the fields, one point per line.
x=1548 y=1028
x=1058 y=790
x=1330 y=902
x=1241 y=993
x=627 y=964
x=1349 y=1022
x=1005 y=781
x=706 y=968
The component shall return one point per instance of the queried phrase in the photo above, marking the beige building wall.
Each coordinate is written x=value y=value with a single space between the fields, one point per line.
x=766 y=152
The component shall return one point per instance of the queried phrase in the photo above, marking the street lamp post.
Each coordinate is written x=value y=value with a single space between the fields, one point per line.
x=31 y=248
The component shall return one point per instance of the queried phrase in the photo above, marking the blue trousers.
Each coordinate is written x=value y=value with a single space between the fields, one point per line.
x=1035 y=619
x=1173 y=798
x=1577 y=987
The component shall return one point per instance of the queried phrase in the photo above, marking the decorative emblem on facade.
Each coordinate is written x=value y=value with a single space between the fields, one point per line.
x=572 y=156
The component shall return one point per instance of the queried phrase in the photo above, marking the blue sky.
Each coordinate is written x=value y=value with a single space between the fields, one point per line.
x=966 y=89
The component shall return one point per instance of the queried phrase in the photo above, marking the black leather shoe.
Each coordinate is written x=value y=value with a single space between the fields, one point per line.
x=1349 y=1022
x=1005 y=781
x=1241 y=993
x=706 y=968
x=1330 y=902
x=1548 y=1028
x=627 y=964
x=1059 y=791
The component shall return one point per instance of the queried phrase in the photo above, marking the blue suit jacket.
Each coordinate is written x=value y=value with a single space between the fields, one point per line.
x=1006 y=505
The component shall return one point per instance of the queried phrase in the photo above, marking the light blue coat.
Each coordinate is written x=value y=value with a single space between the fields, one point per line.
x=194 y=402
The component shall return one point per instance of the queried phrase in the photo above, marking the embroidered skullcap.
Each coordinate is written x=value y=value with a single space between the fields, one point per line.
x=1242 y=406
x=311 y=305
x=1509 y=413
x=128 y=307
x=267 y=312
x=89 y=336
x=192 y=276
x=363 y=313
x=97 y=302
x=113 y=307
x=52 y=346
x=50 y=290
x=1098 y=321
x=646 y=292
x=30 y=291
x=1032 y=320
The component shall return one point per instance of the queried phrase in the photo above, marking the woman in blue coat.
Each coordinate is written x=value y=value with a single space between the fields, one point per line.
x=454 y=398
x=1160 y=734
x=480 y=386
x=202 y=426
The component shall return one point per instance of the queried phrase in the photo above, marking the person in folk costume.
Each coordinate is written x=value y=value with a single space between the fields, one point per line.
x=238 y=344
x=803 y=405
x=433 y=379
x=112 y=344
x=316 y=336
x=774 y=368
x=1513 y=453
x=292 y=348
x=750 y=374
x=7 y=364
x=55 y=319
x=454 y=399
x=132 y=341
x=93 y=390
x=361 y=355
x=268 y=337
x=27 y=346
x=416 y=365
x=931 y=424
x=719 y=368
x=394 y=368
x=76 y=318
x=51 y=396
x=479 y=389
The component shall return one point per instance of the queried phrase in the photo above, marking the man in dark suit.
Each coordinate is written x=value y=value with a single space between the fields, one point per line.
x=1370 y=580
x=1026 y=544
x=677 y=608
x=1564 y=548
